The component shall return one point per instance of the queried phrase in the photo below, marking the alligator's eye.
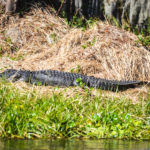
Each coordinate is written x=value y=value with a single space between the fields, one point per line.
x=8 y=71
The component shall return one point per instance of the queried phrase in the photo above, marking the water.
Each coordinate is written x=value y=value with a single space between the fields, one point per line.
x=73 y=145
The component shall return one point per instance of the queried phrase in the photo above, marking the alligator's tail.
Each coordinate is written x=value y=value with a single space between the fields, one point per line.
x=113 y=85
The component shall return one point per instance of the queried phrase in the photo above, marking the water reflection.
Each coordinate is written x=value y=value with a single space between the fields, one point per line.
x=73 y=145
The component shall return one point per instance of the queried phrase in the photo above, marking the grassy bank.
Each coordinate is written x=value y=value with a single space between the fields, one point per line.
x=27 y=114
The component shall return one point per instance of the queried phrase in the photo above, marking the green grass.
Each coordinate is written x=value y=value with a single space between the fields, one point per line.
x=144 y=35
x=28 y=114
x=81 y=22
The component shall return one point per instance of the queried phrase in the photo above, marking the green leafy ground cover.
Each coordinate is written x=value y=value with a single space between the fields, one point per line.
x=28 y=114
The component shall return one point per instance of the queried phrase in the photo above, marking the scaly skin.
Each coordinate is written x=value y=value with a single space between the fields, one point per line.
x=58 y=78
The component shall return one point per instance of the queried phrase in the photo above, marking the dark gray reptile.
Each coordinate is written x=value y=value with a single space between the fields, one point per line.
x=58 y=78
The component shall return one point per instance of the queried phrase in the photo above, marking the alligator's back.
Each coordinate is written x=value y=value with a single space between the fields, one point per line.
x=58 y=78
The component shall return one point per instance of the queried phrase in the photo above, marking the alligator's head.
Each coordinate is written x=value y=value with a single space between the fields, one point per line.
x=15 y=75
x=7 y=73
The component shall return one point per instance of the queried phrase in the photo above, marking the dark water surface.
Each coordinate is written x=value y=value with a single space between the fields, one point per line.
x=73 y=145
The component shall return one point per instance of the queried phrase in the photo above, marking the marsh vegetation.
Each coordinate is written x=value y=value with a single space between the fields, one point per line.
x=45 y=41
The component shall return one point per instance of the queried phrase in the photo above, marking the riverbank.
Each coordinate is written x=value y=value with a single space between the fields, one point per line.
x=42 y=40
x=70 y=113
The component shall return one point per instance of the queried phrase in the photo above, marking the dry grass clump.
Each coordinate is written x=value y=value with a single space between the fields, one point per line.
x=44 y=41
x=36 y=31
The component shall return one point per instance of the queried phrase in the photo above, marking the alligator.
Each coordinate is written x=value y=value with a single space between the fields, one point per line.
x=65 y=79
